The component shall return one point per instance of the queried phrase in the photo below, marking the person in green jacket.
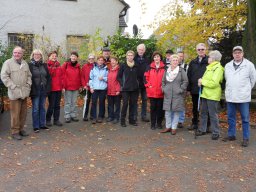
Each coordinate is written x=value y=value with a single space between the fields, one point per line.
x=211 y=94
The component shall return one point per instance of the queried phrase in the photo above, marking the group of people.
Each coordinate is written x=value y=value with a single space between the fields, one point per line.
x=166 y=82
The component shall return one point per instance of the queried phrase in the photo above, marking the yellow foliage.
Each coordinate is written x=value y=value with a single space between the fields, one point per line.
x=206 y=19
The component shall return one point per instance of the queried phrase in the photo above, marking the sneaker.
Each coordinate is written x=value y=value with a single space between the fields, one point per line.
x=180 y=125
x=48 y=123
x=133 y=123
x=123 y=124
x=193 y=126
x=58 y=123
x=36 y=130
x=74 y=119
x=16 y=136
x=245 y=143
x=199 y=133
x=115 y=121
x=153 y=127
x=109 y=119
x=23 y=133
x=229 y=138
x=44 y=128
x=215 y=136
x=145 y=119
x=85 y=119
x=99 y=120
x=94 y=121
x=67 y=120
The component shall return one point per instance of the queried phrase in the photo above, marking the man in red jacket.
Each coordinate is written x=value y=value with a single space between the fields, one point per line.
x=86 y=69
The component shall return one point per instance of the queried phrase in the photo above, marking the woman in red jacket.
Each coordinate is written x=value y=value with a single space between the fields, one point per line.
x=153 y=82
x=114 y=98
x=55 y=95
x=86 y=69
x=71 y=86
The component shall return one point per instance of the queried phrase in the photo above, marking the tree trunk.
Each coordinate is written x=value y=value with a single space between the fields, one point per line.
x=249 y=39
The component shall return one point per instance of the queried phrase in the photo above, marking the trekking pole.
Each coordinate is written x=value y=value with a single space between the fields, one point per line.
x=198 y=105
x=85 y=101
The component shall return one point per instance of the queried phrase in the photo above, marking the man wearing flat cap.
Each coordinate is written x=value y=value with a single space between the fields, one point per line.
x=240 y=75
x=106 y=54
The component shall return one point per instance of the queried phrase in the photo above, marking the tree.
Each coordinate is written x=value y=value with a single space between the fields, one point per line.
x=249 y=40
x=206 y=21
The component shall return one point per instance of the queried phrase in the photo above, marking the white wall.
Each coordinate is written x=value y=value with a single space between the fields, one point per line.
x=59 y=18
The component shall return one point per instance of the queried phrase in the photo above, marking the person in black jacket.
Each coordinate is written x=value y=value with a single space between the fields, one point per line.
x=128 y=79
x=142 y=63
x=41 y=85
x=195 y=71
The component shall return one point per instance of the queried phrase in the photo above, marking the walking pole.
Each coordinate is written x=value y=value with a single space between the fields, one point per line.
x=198 y=105
x=85 y=101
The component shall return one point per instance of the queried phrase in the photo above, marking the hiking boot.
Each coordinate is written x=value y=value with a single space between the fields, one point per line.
x=133 y=123
x=58 y=123
x=16 y=136
x=245 y=143
x=44 y=128
x=173 y=131
x=166 y=130
x=85 y=119
x=229 y=138
x=199 y=133
x=67 y=120
x=215 y=136
x=48 y=123
x=145 y=119
x=74 y=119
x=94 y=121
x=115 y=121
x=192 y=127
x=23 y=133
x=109 y=119
x=180 y=125
x=153 y=127
x=99 y=120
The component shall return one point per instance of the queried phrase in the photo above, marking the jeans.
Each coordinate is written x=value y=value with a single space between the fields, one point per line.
x=209 y=108
x=38 y=109
x=131 y=98
x=172 y=119
x=88 y=107
x=182 y=117
x=70 y=108
x=143 y=95
x=101 y=96
x=54 y=106
x=114 y=103
x=243 y=109
x=156 y=111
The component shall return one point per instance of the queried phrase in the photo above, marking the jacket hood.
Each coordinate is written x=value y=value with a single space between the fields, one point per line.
x=53 y=63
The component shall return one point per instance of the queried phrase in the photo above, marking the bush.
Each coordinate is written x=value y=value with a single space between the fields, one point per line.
x=120 y=44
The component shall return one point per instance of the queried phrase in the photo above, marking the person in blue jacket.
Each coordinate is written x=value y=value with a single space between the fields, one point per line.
x=98 y=88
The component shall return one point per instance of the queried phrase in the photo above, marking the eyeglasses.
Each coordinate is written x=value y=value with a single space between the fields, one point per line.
x=200 y=49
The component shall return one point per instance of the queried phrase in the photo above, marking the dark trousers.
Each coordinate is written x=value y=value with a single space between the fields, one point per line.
x=131 y=98
x=156 y=111
x=88 y=108
x=143 y=95
x=195 y=109
x=101 y=96
x=54 y=106
x=114 y=103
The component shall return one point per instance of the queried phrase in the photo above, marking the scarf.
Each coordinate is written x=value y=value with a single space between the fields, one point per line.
x=130 y=64
x=53 y=63
x=172 y=74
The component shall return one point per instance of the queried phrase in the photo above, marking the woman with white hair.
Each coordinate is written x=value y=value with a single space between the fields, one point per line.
x=41 y=85
x=211 y=94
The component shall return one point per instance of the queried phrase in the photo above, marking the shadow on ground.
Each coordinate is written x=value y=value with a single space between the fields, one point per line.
x=106 y=157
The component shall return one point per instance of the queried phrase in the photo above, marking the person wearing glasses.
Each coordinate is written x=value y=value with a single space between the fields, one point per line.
x=240 y=75
x=196 y=70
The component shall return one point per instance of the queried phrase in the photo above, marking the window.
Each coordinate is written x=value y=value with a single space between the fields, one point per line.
x=76 y=42
x=23 y=40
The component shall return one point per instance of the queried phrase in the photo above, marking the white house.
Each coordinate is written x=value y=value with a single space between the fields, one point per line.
x=59 y=19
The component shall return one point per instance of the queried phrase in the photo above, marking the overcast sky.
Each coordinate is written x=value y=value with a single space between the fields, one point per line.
x=141 y=20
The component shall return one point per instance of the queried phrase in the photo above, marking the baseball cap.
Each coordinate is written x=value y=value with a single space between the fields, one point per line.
x=238 y=48
x=105 y=49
